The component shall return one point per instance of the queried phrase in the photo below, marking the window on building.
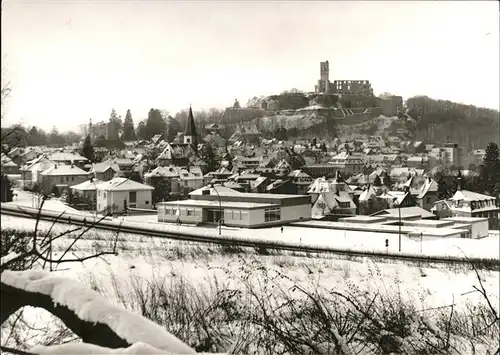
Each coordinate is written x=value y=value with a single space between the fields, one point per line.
x=132 y=196
x=344 y=204
x=272 y=214
x=146 y=202
x=62 y=180
x=236 y=215
x=189 y=212
x=104 y=194
x=72 y=178
x=168 y=211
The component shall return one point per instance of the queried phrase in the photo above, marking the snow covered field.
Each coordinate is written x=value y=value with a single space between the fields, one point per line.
x=28 y=199
x=210 y=268
x=351 y=240
x=197 y=262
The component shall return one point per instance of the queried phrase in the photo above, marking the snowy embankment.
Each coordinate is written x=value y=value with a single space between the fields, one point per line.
x=32 y=200
x=143 y=257
x=143 y=260
x=319 y=238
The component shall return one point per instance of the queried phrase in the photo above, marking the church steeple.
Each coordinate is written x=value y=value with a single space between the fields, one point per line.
x=190 y=132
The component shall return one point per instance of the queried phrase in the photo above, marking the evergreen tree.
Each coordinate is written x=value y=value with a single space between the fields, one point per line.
x=128 y=128
x=88 y=149
x=114 y=126
x=442 y=192
x=457 y=184
x=155 y=124
x=37 y=136
x=490 y=169
x=161 y=191
x=6 y=189
x=56 y=139
x=141 y=130
x=377 y=182
x=208 y=156
x=388 y=181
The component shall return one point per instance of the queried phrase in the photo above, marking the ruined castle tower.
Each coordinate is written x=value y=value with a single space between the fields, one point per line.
x=325 y=74
x=324 y=81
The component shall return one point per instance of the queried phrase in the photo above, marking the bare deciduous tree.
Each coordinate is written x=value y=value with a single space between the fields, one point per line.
x=97 y=322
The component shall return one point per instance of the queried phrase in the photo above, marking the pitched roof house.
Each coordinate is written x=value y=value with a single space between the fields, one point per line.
x=428 y=194
x=119 y=194
x=62 y=176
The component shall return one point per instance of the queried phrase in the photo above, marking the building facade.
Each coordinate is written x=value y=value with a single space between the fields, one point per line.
x=231 y=208
x=119 y=194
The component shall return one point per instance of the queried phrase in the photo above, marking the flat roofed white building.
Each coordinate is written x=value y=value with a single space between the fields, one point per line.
x=247 y=210
x=409 y=231
x=478 y=225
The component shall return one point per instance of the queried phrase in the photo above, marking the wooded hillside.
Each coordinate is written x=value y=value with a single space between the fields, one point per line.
x=446 y=121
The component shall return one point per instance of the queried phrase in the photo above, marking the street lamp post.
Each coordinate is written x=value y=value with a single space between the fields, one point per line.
x=399 y=224
x=399 y=210
x=220 y=207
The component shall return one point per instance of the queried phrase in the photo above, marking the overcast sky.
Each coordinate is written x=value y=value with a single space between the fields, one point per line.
x=71 y=61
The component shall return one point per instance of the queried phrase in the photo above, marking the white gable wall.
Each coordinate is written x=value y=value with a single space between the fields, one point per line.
x=117 y=198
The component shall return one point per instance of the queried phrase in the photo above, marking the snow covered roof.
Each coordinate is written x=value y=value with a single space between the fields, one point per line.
x=102 y=167
x=64 y=170
x=220 y=189
x=123 y=184
x=8 y=163
x=367 y=194
x=62 y=156
x=406 y=211
x=465 y=195
x=87 y=185
x=430 y=185
x=232 y=185
x=255 y=183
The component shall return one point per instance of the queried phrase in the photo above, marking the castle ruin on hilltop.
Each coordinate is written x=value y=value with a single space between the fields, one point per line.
x=346 y=101
x=346 y=87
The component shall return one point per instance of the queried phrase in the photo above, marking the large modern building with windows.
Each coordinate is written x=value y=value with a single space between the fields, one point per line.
x=236 y=209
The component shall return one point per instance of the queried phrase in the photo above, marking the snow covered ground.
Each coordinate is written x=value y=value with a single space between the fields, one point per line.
x=147 y=258
x=351 y=240
x=29 y=199
x=150 y=255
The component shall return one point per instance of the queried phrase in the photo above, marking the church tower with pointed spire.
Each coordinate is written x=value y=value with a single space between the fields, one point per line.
x=190 y=135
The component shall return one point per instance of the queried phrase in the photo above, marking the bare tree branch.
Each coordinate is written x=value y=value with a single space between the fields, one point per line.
x=15 y=351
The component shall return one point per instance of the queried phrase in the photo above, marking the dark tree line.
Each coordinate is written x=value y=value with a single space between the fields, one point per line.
x=488 y=180
x=20 y=136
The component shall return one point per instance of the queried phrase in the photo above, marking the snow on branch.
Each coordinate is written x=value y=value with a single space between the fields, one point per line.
x=85 y=312
x=91 y=349
x=7 y=258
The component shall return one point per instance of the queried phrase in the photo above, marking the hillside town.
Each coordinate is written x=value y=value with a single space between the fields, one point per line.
x=250 y=177
x=203 y=175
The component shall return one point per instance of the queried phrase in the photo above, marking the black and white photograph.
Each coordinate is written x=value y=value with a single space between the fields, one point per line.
x=250 y=177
